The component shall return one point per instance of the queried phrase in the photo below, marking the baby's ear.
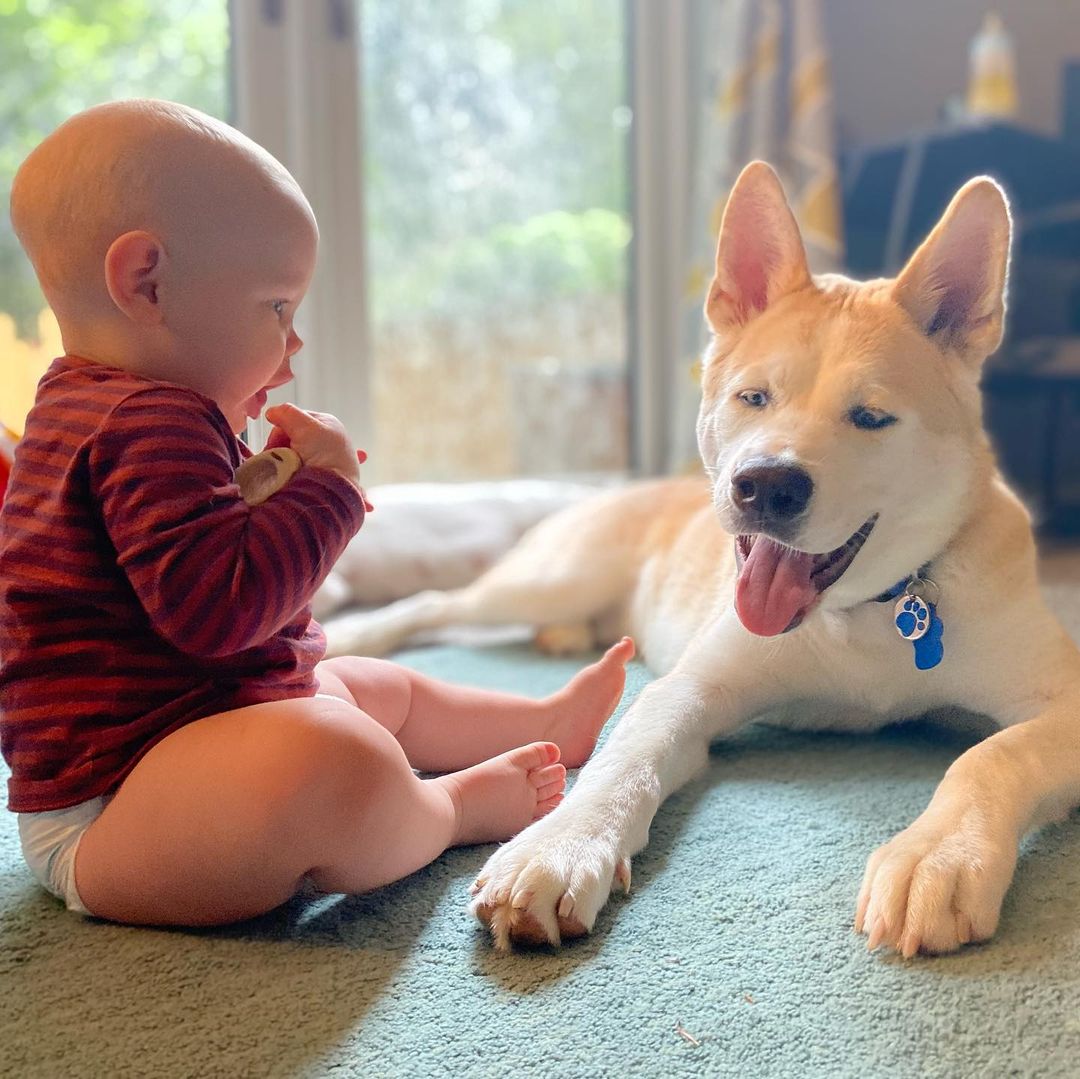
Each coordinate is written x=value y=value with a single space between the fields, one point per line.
x=133 y=266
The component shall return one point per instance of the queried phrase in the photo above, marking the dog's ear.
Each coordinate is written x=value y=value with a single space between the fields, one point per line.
x=954 y=284
x=759 y=255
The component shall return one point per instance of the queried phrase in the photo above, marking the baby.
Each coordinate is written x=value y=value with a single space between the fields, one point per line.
x=180 y=752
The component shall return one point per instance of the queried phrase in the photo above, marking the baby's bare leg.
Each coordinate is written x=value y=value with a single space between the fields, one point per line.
x=443 y=727
x=225 y=818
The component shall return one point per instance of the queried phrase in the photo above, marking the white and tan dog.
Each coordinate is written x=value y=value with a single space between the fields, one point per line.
x=849 y=476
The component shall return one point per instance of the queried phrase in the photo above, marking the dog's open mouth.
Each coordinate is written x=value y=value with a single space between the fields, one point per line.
x=778 y=586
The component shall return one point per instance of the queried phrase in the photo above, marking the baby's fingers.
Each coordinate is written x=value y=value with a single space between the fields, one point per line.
x=276 y=440
x=287 y=416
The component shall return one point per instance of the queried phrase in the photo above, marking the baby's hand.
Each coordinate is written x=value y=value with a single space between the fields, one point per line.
x=319 y=439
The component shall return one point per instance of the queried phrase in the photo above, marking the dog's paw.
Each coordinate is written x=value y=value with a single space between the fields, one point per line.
x=935 y=887
x=360 y=633
x=547 y=885
x=572 y=639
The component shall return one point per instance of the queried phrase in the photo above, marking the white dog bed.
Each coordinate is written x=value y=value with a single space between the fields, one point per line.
x=440 y=536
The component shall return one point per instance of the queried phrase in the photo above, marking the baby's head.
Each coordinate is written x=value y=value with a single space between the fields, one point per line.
x=169 y=244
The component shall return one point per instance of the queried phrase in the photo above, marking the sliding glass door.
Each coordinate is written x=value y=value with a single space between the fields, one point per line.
x=468 y=161
x=495 y=172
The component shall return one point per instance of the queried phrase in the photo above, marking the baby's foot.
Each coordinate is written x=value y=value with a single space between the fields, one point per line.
x=496 y=799
x=582 y=707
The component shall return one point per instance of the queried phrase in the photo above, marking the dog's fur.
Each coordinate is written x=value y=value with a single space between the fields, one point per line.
x=792 y=357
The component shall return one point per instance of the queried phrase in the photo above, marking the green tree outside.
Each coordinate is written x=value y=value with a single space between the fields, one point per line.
x=496 y=138
x=61 y=56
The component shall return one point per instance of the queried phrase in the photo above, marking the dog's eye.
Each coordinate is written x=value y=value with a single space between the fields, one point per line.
x=870 y=419
x=754 y=398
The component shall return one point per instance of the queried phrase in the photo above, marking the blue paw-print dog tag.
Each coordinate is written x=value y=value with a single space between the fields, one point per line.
x=912 y=617
x=917 y=621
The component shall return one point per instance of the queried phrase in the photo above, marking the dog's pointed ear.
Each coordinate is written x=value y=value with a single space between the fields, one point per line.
x=759 y=254
x=954 y=284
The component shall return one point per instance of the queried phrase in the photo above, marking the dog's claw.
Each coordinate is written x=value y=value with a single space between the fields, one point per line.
x=521 y=900
x=527 y=929
x=622 y=874
x=877 y=935
x=964 y=931
x=909 y=945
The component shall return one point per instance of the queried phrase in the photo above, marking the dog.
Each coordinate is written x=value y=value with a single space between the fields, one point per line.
x=851 y=558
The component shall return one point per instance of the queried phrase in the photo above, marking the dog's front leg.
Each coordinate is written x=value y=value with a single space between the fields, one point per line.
x=939 y=884
x=549 y=883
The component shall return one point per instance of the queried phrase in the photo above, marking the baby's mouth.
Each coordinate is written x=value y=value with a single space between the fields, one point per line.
x=778 y=585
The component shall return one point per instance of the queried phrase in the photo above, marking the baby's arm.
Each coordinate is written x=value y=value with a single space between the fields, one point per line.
x=214 y=575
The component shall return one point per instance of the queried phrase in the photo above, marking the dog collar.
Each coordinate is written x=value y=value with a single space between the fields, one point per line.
x=898 y=588
x=915 y=616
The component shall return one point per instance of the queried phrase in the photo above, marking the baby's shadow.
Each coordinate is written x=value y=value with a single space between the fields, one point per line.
x=304 y=951
x=388 y=920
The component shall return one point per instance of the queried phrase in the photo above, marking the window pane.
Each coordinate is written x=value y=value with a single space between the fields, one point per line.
x=496 y=172
x=58 y=58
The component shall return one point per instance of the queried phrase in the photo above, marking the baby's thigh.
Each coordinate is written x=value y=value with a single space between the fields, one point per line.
x=382 y=689
x=223 y=819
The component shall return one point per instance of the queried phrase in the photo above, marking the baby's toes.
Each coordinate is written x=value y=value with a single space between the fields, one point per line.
x=549 y=791
x=621 y=652
x=548 y=776
x=535 y=757
x=544 y=807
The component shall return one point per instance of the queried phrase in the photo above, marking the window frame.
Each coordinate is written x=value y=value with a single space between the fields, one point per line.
x=296 y=85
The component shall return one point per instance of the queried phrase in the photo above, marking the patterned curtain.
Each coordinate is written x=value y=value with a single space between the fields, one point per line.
x=765 y=93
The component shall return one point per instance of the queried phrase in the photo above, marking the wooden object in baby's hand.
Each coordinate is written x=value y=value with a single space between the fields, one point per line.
x=266 y=473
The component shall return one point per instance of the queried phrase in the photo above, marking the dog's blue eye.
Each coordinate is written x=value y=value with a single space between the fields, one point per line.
x=754 y=398
x=870 y=419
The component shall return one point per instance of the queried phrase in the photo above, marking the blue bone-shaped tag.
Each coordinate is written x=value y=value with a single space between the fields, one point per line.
x=929 y=649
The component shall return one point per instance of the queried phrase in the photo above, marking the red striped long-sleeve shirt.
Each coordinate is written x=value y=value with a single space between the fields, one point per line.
x=138 y=591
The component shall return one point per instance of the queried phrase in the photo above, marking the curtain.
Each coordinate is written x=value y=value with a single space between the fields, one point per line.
x=764 y=91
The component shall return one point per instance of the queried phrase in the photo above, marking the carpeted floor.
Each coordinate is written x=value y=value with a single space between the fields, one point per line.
x=739 y=928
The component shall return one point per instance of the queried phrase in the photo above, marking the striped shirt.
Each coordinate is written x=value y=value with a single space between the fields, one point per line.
x=138 y=591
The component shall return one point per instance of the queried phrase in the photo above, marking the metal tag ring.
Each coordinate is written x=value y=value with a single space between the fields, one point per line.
x=923 y=588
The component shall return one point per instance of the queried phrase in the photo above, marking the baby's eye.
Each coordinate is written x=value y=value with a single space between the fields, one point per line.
x=279 y=307
x=754 y=398
x=870 y=419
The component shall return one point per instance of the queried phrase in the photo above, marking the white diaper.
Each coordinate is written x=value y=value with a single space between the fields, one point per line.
x=49 y=842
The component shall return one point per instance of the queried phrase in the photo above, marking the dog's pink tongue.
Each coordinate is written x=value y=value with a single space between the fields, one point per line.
x=773 y=587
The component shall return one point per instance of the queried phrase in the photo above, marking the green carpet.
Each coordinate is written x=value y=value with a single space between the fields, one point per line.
x=739 y=927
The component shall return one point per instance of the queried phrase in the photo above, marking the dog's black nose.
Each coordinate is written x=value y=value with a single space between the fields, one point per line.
x=774 y=492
